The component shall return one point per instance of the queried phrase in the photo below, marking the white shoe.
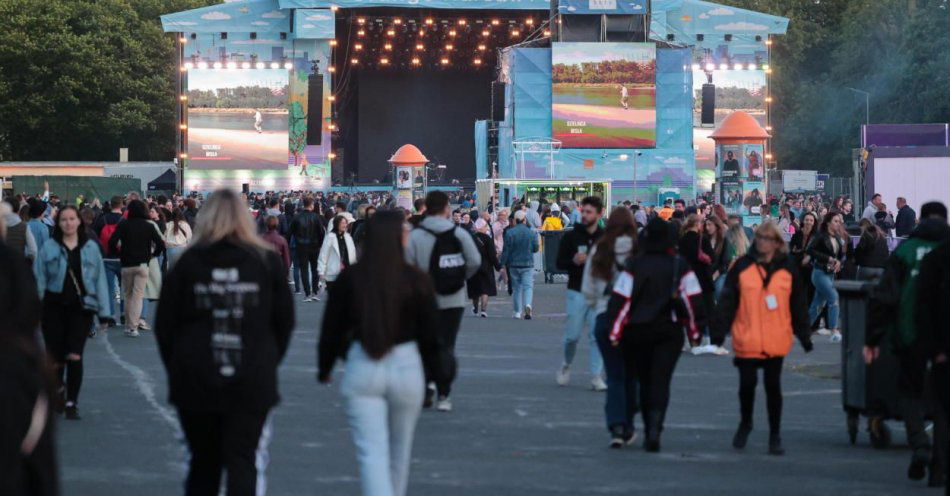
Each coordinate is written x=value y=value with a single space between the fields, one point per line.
x=131 y=333
x=721 y=351
x=444 y=405
x=704 y=350
x=143 y=326
x=598 y=384
x=835 y=337
x=517 y=315
x=563 y=375
x=527 y=312
x=824 y=332
x=306 y=299
x=483 y=314
x=314 y=297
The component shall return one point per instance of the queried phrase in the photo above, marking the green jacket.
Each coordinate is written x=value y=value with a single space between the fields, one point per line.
x=894 y=303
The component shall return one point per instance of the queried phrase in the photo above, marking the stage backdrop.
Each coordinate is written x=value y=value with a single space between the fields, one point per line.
x=604 y=95
x=237 y=119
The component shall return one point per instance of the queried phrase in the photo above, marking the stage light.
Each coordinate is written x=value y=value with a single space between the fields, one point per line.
x=189 y=65
x=515 y=33
x=331 y=155
x=452 y=32
x=334 y=8
x=183 y=126
x=751 y=67
x=384 y=61
x=445 y=61
x=768 y=128
x=290 y=65
x=495 y=22
x=768 y=99
x=768 y=42
x=182 y=97
x=529 y=22
x=388 y=46
x=260 y=65
x=710 y=66
x=184 y=155
x=202 y=65
x=768 y=156
x=416 y=61
x=420 y=46
x=331 y=69
x=422 y=32
x=274 y=65
x=768 y=71
x=696 y=67
x=218 y=65
x=331 y=98
x=245 y=65
x=449 y=46
x=331 y=127
x=723 y=66
x=183 y=40
x=429 y=21
x=354 y=61
x=391 y=32
x=397 y=21
x=547 y=32
x=477 y=61
x=737 y=67
x=360 y=33
x=357 y=46
x=765 y=67
x=482 y=47
x=361 y=21
x=486 y=33
x=462 y=22
x=332 y=42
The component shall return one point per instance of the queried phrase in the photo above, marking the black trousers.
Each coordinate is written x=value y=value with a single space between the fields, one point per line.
x=652 y=351
x=910 y=386
x=222 y=442
x=748 y=379
x=307 y=256
x=450 y=320
x=65 y=329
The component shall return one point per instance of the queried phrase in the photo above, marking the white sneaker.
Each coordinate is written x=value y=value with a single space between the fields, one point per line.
x=517 y=315
x=131 y=333
x=721 y=351
x=563 y=375
x=306 y=299
x=824 y=332
x=704 y=350
x=483 y=314
x=314 y=297
x=444 y=405
x=598 y=384
x=527 y=312
x=835 y=337
x=143 y=326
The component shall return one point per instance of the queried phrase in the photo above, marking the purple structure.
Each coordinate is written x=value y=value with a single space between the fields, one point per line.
x=905 y=135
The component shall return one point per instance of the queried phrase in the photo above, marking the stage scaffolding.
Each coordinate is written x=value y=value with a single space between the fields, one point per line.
x=535 y=146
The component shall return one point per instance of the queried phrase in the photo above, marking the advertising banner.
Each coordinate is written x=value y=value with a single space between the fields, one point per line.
x=604 y=95
x=730 y=166
x=753 y=161
x=799 y=181
x=730 y=191
x=753 y=199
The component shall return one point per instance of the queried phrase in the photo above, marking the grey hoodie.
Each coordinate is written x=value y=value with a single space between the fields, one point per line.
x=533 y=218
x=29 y=251
x=593 y=288
x=419 y=252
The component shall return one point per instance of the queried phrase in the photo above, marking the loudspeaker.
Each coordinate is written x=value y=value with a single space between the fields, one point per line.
x=315 y=109
x=580 y=28
x=708 y=104
x=497 y=101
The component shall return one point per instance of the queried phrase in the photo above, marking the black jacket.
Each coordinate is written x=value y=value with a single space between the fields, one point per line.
x=871 y=252
x=933 y=292
x=906 y=221
x=307 y=228
x=19 y=302
x=140 y=242
x=568 y=248
x=689 y=247
x=249 y=287
x=417 y=320
x=822 y=252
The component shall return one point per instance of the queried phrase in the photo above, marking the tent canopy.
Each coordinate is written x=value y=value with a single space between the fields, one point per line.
x=168 y=181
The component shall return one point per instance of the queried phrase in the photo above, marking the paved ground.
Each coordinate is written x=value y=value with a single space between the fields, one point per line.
x=513 y=432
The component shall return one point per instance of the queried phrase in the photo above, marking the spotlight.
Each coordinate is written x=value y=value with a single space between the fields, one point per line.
x=495 y=22
x=529 y=22
x=391 y=32
x=202 y=65
x=768 y=71
x=429 y=22
x=182 y=68
x=449 y=46
x=388 y=46
x=515 y=33
x=723 y=66
x=422 y=32
x=452 y=32
x=189 y=65
x=768 y=41
x=416 y=61
x=332 y=42
x=397 y=21
x=331 y=127
x=331 y=98
x=486 y=32
x=462 y=22
x=334 y=8
x=360 y=33
x=768 y=128
x=183 y=40
x=765 y=67
x=331 y=69
x=751 y=67
x=184 y=155
x=182 y=97
x=710 y=66
x=183 y=126
x=420 y=46
x=354 y=61
x=696 y=67
x=245 y=65
x=260 y=65
x=331 y=155
x=274 y=65
x=445 y=61
x=290 y=65
x=547 y=32
x=482 y=47
x=768 y=156
x=357 y=46
x=218 y=65
x=768 y=99
x=477 y=61
x=361 y=21
x=384 y=61
x=737 y=67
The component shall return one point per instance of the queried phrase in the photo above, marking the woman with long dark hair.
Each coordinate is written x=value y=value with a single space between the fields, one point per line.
x=715 y=232
x=337 y=253
x=223 y=326
x=798 y=248
x=872 y=248
x=605 y=261
x=71 y=280
x=827 y=250
x=695 y=247
x=177 y=235
x=482 y=284
x=654 y=300
x=381 y=318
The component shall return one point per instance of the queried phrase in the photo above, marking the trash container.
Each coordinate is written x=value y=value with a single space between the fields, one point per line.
x=869 y=390
x=550 y=243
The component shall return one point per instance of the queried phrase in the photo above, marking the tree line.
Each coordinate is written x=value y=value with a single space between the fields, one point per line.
x=238 y=97
x=608 y=71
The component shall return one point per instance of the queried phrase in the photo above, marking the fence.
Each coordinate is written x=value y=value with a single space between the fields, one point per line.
x=830 y=186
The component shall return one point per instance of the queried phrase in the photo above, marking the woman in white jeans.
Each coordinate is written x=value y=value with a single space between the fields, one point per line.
x=380 y=319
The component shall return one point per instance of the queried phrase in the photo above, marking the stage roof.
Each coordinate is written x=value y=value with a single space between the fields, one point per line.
x=686 y=18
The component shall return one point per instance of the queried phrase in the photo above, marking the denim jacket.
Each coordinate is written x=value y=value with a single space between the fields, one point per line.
x=521 y=243
x=50 y=272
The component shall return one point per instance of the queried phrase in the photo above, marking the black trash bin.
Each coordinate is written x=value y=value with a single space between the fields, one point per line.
x=869 y=390
x=550 y=243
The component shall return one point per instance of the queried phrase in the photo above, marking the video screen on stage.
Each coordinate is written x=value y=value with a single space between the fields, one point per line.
x=237 y=119
x=604 y=95
x=735 y=90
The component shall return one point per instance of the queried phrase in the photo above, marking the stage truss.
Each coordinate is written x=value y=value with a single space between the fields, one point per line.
x=535 y=146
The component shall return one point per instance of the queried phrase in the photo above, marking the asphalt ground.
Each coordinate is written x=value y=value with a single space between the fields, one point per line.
x=513 y=430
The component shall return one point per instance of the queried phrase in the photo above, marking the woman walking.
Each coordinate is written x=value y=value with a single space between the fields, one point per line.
x=482 y=284
x=763 y=306
x=71 y=280
x=136 y=241
x=177 y=236
x=827 y=251
x=223 y=325
x=606 y=260
x=653 y=300
x=337 y=253
x=715 y=232
x=697 y=250
x=380 y=317
x=872 y=249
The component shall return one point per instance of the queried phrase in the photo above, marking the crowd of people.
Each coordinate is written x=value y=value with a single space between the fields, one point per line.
x=646 y=284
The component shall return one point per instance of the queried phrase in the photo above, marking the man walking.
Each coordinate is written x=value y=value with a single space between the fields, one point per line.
x=308 y=231
x=906 y=218
x=872 y=208
x=520 y=245
x=571 y=256
x=105 y=227
x=449 y=255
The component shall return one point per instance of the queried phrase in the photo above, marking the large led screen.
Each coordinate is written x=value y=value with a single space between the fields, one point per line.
x=740 y=89
x=237 y=119
x=604 y=95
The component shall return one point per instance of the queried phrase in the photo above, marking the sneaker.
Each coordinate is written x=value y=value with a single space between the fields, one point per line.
x=598 y=384
x=916 y=471
x=444 y=404
x=527 y=312
x=483 y=314
x=474 y=310
x=824 y=332
x=72 y=412
x=143 y=326
x=517 y=315
x=835 y=337
x=742 y=436
x=629 y=437
x=564 y=375
x=306 y=299
x=131 y=333
x=93 y=332
x=721 y=351
x=707 y=349
x=430 y=393
x=616 y=437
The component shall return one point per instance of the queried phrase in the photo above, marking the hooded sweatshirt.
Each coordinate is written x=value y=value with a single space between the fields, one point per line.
x=13 y=220
x=534 y=218
x=595 y=288
x=419 y=252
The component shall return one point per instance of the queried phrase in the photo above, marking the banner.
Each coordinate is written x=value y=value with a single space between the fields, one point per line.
x=798 y=181
x=602 y=6
x=753 y=202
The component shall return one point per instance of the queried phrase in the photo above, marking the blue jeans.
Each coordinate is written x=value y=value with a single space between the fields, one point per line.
x=113 y=278
x=621 y=404
x=825 y=294
x=522 y=282
x=296 y=269
x=579 y=314
x=383 y=402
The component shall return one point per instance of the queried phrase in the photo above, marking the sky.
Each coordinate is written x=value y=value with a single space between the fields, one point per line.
x=576 y=53
x=210 y=79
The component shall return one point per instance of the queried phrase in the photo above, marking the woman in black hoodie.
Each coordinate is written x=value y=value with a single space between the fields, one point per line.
x=223 y=326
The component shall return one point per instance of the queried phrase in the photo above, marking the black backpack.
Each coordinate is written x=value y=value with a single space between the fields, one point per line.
x=447 y=262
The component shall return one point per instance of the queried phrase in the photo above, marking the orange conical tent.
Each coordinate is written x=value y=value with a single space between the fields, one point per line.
x=739 y=126
x=408 y=155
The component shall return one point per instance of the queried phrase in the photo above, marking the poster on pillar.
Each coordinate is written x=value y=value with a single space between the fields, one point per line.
x=604 y=95
x=730 y=191
x=404 y=177
x=729 y=164
x=753 y=202
x=752 y=162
